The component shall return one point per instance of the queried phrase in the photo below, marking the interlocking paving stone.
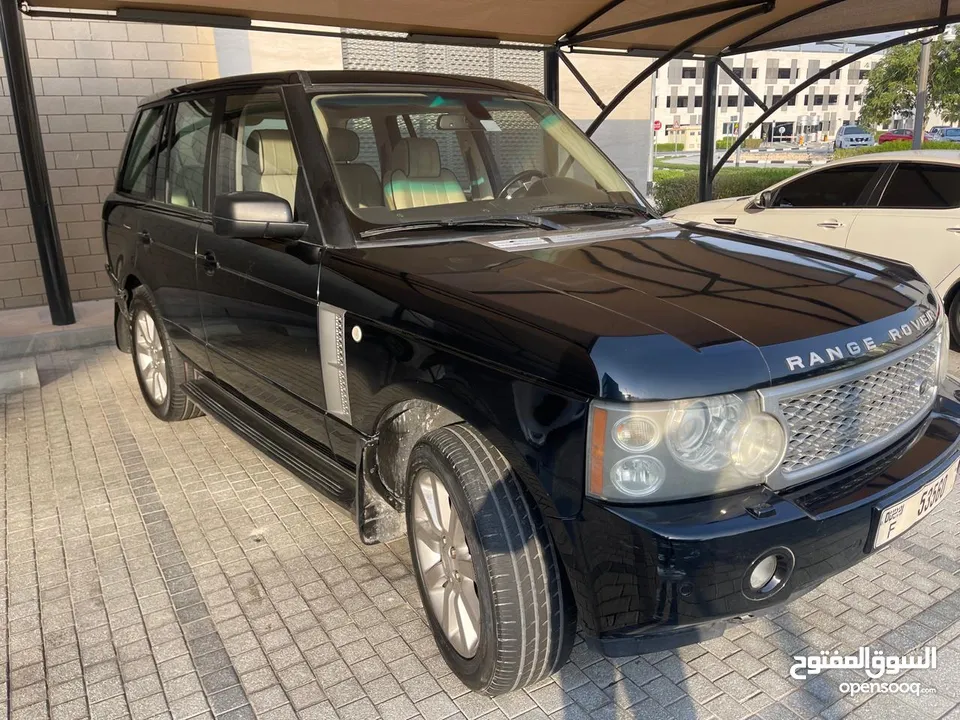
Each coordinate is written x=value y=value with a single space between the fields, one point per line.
x=170 y=570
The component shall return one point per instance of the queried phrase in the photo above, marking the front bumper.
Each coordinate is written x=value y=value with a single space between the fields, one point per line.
x=654 y=577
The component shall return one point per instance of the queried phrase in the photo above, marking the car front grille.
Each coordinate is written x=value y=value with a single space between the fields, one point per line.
x=833 y=422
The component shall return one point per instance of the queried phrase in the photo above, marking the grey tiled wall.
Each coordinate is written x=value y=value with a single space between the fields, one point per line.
x=88 y=77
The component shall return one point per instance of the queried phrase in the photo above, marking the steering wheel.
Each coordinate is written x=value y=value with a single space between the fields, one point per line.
x=521 y=180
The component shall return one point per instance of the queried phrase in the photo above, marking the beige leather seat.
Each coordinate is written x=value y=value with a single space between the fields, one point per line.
x=360 y=182
x=273 y=164
x=417 y=178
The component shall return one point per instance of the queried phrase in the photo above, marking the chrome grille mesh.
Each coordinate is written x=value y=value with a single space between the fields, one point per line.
x=832 y=421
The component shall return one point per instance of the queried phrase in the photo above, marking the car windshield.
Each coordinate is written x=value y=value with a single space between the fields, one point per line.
x=420 y=157
x=951 y=132
x=856 y=130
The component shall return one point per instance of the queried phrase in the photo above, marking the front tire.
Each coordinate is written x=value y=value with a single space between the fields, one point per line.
x=492 y=586
x=953 y=315
x=161 y=370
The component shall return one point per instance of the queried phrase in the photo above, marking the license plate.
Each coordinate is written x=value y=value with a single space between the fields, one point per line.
x=897 y=519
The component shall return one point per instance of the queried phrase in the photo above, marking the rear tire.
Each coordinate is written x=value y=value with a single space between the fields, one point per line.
x=161 y=370
x=525 y=617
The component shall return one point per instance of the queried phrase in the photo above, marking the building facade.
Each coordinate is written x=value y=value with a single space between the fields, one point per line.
x=814 y=114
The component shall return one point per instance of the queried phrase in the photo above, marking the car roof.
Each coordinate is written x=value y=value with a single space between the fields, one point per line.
x=347 y=79
x=950 y=157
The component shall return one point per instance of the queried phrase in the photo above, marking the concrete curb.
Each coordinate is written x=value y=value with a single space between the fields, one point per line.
x=66 y=339
x=18 y=375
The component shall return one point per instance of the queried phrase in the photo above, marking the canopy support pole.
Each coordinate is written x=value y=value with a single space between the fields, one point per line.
x=708 y=128
x=739 y=17
x=551 y=75
x=582 y=80
x=35 y=175
x=743 y=85
x=843 y=62
x=919 y=115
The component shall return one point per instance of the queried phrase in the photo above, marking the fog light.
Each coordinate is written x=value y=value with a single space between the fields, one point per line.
x=763 y=572
x=768 y=574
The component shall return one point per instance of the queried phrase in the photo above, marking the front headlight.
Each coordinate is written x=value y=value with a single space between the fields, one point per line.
x=651 y=452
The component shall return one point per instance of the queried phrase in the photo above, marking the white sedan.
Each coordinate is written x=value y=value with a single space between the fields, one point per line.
x=900 y=205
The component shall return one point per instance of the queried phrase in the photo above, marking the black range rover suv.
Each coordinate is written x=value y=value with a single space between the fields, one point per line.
x=435 y=300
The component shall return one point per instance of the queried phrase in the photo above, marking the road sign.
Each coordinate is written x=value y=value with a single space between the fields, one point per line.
x=657 y=125
x=676 y=124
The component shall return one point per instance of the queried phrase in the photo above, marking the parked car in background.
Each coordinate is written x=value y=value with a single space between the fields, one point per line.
x=895 y=135
x=435 y=300
x=950 y=135
x=935 y=132
x=902 y=205
x=852 y=136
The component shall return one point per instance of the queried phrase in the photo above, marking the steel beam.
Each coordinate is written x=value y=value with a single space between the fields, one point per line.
x=708 y=128
x=551 y=76
x=37 y=180
x=742 y=83
x=675 y=52
x=582 y=80
x=892 y=42
x=697 y=12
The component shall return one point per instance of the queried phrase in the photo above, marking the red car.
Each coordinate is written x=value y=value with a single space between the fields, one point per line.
x=893 y=135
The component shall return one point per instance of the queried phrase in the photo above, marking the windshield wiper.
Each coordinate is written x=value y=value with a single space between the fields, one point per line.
x=593 y=207
x=480 y=223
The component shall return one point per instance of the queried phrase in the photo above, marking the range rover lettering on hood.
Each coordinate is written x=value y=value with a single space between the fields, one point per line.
x=795 y=363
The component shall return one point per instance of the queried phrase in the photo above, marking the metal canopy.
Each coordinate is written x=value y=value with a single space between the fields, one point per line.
x=648 y=26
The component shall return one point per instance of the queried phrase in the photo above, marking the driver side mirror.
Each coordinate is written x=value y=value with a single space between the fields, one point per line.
x=252 y=215
x=764 y=199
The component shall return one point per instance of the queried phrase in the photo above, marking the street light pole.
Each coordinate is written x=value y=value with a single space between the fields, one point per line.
x=923 y=79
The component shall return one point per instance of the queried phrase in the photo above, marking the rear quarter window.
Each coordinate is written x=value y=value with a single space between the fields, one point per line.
x=139 y=165
x=923 y=186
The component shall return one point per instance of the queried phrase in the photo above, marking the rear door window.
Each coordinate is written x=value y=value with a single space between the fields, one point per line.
x=838 y=187
x=140 y=165
x=923 y=186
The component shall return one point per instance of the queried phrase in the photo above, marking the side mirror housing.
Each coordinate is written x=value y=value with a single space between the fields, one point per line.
x=764 y=199
x=254 y=215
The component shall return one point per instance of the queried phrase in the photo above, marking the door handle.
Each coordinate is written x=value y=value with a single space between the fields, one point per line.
x=210 y=263
x=830 y=224
x=954 y=230
x=145 y=237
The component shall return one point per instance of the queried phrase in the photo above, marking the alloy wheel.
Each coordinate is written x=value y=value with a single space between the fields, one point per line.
x=445 y=562
x=150 y=357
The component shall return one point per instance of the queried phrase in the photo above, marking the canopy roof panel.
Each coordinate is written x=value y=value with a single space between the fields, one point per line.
x=640 y=25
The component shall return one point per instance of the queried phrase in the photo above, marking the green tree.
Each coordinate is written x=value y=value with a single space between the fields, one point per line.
x=892 y=88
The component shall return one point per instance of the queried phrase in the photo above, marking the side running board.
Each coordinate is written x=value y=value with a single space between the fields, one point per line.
x=298 y=457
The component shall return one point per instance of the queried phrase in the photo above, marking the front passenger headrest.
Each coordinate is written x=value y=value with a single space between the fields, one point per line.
x=417 y=157
x=344 y=144
x=274 y=150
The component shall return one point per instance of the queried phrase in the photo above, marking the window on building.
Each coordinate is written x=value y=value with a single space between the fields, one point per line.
x=753 y=73
x=784 y=73
x=858 y=98
x=668 y=100
x=793 y=101
x=138 y=169
x=806 y=99
x=833 y=187
x=688 y=73
x=188 y=153
x=698 y=101
x=748 y=101
x=832 y=99
x=732 y=101
x=738 y=72
x=835 y=75
x=818 y=100
x=682 y=101
x=923 y=185
x=775 y=99
x=863 y=75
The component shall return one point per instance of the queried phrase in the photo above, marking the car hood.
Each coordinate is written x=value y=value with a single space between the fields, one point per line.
x=647 y=311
